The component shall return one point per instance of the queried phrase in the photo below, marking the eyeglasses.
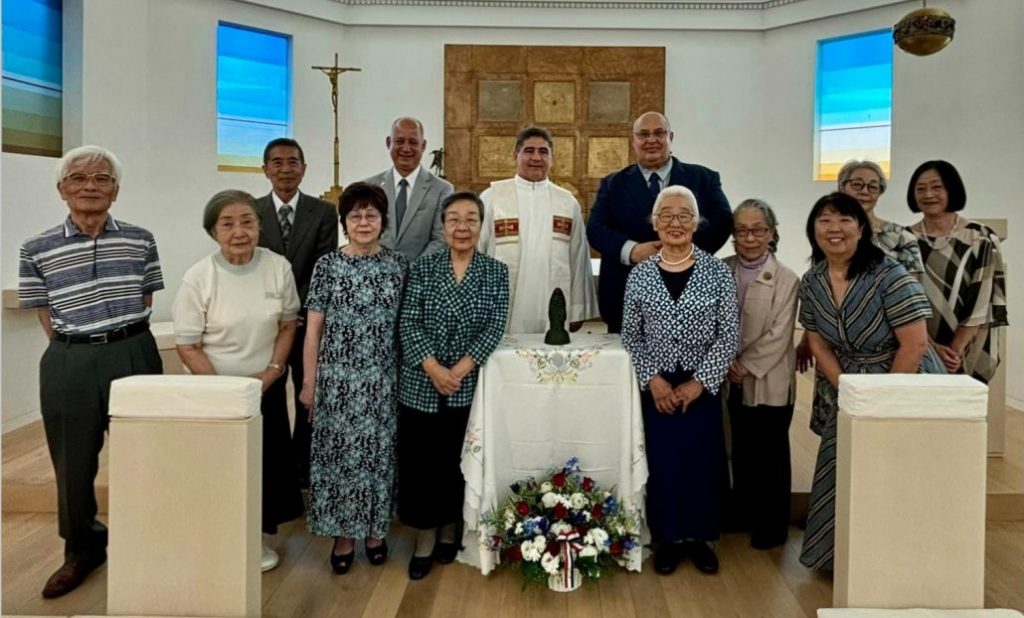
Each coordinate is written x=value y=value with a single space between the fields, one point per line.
x=659 y=134
x=77 y=180
x=457 y=223
x=860 y=185
x=667 y=217
x=756 y=232
x=369 y=217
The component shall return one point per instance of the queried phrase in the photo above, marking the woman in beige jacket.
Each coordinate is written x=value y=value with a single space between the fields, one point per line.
x=762 y=385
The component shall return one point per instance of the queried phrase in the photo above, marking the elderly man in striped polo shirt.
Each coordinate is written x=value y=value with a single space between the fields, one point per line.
x=91 y=280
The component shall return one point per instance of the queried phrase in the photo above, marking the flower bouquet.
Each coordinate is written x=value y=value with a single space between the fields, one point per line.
x=561 y=529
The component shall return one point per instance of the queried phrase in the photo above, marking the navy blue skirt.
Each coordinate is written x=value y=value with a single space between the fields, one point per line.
x=687 y=469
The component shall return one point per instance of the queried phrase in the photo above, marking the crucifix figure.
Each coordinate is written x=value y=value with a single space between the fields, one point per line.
x=332 y=73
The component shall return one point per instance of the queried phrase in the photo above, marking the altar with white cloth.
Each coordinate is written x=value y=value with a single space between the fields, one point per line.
x=537 y=405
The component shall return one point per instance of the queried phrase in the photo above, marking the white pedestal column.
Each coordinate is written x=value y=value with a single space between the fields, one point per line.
x=185 y=492
x=910 y=492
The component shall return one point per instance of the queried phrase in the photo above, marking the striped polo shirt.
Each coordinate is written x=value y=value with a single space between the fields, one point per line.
x=90 y=285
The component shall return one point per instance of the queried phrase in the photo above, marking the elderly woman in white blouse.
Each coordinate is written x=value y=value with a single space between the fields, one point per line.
x=762 y=379
x=681 y=328
x=235 y=315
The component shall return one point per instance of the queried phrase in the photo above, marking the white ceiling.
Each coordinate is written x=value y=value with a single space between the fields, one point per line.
x=577 y=14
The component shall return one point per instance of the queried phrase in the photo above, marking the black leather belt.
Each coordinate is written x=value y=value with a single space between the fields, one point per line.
x=102 y=338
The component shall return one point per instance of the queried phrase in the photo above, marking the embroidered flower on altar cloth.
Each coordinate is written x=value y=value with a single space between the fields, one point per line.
x=559 y=365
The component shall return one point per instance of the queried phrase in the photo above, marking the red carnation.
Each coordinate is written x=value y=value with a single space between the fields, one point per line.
x=598 y=511
x=560 y=511
x=553 y=548
x=558 y=480
x=588 y=483
x=616 y=548
x=514 y=554
x=523 y=508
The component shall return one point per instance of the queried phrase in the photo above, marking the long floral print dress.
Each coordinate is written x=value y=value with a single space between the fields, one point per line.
x=355 y=418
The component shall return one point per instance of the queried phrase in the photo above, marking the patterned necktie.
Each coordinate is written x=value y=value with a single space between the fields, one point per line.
x=654 y=184
x=286 y=224
x=401 y=202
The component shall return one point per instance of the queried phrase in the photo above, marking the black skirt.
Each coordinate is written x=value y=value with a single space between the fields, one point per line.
x=430 y=483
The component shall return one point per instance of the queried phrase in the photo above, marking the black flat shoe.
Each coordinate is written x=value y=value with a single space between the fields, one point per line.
x=666 y=558
x=419 y=566
x=377 y=555
x=444 y=553
x=703 y=556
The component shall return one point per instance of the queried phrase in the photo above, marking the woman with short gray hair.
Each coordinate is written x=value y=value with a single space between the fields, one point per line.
x=680 y=328
x=762 y=385
x=235 y=314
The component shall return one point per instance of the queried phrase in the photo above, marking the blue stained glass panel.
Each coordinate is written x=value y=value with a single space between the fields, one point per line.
x=253 y=93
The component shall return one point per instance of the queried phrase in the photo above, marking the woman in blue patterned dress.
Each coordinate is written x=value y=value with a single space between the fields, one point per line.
x=453 y=317
x=863 y=313
x=350 y=360
x=681 y=328
x=865 y=182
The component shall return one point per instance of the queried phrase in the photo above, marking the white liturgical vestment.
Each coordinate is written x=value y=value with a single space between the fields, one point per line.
x=537 y=230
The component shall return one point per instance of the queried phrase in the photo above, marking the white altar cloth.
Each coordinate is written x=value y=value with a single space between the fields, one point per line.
x=536 y=406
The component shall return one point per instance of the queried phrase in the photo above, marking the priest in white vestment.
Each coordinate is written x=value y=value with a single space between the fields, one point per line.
x=536 y=228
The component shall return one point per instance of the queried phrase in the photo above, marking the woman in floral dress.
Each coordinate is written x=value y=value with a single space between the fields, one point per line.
x=350 y=359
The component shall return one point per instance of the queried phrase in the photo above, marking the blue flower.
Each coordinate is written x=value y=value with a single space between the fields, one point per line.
x=515 y=488
x=611 y=505
x=572 y=465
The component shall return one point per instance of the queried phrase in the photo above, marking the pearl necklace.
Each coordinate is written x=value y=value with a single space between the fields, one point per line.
x=689 y=255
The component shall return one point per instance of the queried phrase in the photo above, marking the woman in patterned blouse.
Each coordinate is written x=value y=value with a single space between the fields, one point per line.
x=964 y=275
x=681 y=329
x=452 y=318
x=863 y=313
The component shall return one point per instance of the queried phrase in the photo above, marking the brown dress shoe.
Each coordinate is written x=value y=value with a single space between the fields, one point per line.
x=70 y=576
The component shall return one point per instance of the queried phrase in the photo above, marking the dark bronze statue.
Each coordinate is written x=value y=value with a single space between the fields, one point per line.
x=437 y=162
x=557 y=335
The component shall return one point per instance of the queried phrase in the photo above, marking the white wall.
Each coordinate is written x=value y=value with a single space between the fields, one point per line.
x=740 y=101
x=965 y=105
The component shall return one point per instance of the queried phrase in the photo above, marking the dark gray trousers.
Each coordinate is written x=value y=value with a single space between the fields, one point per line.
x=74 y=384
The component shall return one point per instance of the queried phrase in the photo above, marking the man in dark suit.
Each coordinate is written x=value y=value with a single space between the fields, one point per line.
x=414 y=194
x=302 y=228
x=620 y=221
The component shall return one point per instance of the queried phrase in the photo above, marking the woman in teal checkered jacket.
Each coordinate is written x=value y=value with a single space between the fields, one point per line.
x=453 y=317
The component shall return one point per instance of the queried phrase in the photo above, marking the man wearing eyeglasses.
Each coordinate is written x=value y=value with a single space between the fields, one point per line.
x=620 y=220
x=302 y=228
x=536 y=228
x=91 y=281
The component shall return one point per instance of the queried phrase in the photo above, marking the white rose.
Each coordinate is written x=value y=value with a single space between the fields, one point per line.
x=551 y=564
x=546 y=486
x=578 y=501
x=549 y=500
x=588 y=551
x=559 y=527
x=596 y=536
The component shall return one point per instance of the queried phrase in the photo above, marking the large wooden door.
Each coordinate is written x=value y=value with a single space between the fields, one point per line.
x=587 y=97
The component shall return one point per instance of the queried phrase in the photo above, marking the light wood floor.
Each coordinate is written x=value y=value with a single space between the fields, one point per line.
x=751 y=583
